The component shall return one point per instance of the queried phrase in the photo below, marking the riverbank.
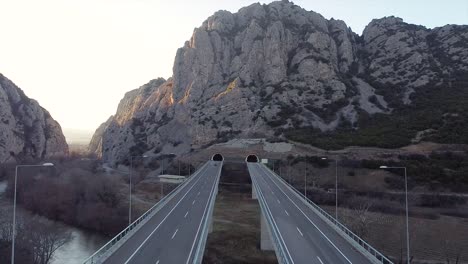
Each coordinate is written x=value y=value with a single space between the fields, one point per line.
x=81 y=246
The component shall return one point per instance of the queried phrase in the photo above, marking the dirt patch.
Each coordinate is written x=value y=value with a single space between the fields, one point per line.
x=236 y=231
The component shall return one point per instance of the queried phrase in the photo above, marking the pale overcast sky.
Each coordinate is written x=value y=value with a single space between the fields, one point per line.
x=78 y=58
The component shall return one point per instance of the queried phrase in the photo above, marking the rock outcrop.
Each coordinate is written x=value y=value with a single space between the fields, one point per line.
x=270 y=68
x=26 y=129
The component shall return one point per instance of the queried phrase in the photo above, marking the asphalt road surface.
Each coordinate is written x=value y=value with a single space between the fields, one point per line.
x=307 y=237
x=173 y=233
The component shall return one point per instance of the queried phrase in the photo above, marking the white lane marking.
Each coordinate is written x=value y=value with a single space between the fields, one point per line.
x=157 y=262
x=162 y=221
x=194 y=202
x=299 y=231
x=198 y=193
x=320 y=259
x=286 y=212
x=185 y=216
x=174 y=233
x=204 y=213
x=278 y=200
x=323 y=234
x=268 y=208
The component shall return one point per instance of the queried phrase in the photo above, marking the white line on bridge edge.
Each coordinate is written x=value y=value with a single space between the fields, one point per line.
x=194 y=202
x=164 y=219
x=299 y=231
x=185 y=216
x=317 y=257
x=174 y=234
x=323 y=234
x=157 y=262
x=286 y=212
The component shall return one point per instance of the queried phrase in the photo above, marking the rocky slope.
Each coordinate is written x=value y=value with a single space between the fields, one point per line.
x=273 y=68
x=26 y=129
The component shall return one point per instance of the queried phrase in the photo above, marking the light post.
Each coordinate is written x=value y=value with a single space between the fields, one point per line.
x=130 y=188
x=305 y=181
x=336 y=187
x=406 y=205
x=14 y=206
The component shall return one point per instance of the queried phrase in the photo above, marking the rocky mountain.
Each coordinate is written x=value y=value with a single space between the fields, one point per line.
x=271 y=69
x=26 y=129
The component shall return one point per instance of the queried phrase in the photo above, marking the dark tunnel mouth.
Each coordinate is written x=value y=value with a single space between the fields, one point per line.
x=217 y=157
x=252 y=158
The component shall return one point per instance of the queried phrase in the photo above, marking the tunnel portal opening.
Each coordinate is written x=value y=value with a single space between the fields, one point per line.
x=252 y=158
x=217 y=157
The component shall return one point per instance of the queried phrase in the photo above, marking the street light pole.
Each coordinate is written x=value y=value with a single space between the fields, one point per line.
x=406 y=208
x=13 y=238
x=130 y=188
x=336 y=187
x=305 y=181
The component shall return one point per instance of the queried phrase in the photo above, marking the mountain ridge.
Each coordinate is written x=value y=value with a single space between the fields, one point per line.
x=27 y=130
x=269 y=69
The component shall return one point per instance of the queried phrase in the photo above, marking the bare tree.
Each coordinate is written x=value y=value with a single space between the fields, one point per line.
x=360 y=219
x=37 y=238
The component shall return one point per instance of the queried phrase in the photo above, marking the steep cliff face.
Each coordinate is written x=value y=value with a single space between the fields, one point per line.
x=276 y=67
x=26 y=129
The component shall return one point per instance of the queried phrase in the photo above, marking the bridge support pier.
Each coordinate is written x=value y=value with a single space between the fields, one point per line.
x=254 y=192
x=265 y=238
x=210 y=228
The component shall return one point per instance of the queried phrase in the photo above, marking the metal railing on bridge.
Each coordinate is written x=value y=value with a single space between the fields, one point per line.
x=281 y=250
x=106 y=250
x=341 y=229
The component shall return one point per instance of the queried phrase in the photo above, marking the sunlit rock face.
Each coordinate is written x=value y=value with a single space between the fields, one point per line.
x=27 y=131
x=269 y=68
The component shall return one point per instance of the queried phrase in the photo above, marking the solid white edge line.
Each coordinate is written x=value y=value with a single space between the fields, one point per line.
x=274 y=221
x=134 y=253
x=175 y=233
x=320 y=259
x=201 y=221
x=323 y=234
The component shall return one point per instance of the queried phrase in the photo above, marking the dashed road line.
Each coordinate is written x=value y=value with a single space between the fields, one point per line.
x=299 y=231
x=174 y=233
x=320 y=259
x=286 y=212
x=185 y=216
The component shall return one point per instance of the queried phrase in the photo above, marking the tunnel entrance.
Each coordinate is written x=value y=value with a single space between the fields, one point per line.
x=217 y=157
x=252 y=158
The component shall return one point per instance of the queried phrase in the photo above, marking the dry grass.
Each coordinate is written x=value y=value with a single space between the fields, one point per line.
x=236 y=231
x=431 y=240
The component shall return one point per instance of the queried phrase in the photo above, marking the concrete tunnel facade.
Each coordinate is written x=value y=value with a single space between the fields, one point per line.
x=217 y=157
x=252 y=158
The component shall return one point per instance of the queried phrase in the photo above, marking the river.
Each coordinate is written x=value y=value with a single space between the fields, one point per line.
x=82 y=245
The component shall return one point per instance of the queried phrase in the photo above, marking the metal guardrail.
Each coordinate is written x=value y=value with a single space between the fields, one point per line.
x=280 y=247
x=341 y=229
x=201 y=246
x=120 y=238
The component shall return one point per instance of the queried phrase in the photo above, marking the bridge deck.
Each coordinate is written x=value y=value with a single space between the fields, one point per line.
x=307 y=237
x=173 y=234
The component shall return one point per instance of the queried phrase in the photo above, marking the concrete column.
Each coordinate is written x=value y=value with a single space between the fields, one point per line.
x=210 y=228
x=265 y=239
x=254 y=192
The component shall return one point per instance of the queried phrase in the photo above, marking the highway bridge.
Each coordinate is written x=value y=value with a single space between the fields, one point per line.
x=176 y=228
x=298 y=230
